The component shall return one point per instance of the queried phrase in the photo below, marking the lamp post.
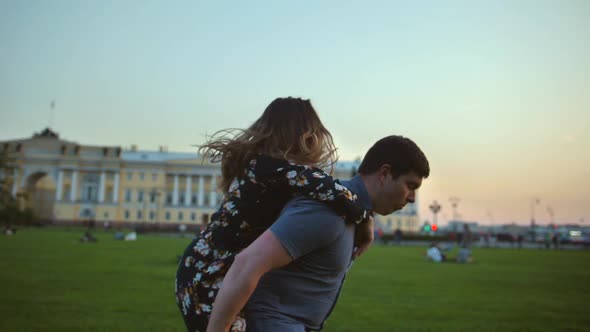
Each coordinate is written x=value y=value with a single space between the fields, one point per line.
x=454 y=203
x=535 y=201
x=435 y=208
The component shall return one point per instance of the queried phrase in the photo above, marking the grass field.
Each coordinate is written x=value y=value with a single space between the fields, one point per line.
x=51 y=282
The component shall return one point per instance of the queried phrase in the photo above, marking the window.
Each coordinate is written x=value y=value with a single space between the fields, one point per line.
x=129 y=176
x=194 y=200
x=169 y=198
x=154 y=177
x=205 y=218
x=181 y=201
x=127 y=195
x=109 y=192
x=140 y=196
x=153 y=197
x=193 y=216
x=180 y=216
x=142 y=176
x=167 y=215
x=152 y=215
x=126 y=214
x=139 y=215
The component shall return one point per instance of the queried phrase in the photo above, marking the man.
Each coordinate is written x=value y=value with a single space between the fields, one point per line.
x=292 y=274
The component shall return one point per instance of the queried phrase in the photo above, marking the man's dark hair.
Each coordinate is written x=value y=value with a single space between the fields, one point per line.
x=401 y=153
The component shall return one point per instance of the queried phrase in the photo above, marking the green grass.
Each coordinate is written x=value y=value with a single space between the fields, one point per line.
x=51 y=282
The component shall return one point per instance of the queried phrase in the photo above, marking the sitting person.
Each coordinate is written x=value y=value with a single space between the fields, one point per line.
x=88 y=237
x=435 y=253
x=131 y=236
x=119 y=235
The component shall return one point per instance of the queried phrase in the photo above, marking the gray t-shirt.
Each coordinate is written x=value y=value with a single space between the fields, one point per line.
x=302 y=294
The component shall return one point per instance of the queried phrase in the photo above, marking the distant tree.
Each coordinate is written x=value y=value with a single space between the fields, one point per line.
x=9 y=212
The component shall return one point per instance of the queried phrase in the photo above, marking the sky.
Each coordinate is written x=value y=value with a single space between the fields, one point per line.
x=496 y=93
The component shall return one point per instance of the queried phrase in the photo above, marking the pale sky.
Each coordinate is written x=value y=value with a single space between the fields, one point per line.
x=496 y=93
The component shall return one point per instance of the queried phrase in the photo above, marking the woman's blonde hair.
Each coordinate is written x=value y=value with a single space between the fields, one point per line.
x=288 y=129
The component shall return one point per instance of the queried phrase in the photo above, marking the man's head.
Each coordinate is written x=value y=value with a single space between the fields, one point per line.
x=392 y=171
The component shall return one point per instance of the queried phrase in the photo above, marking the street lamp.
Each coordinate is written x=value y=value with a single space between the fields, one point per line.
x=534 y=201
x=435 y=208
x=454 y=203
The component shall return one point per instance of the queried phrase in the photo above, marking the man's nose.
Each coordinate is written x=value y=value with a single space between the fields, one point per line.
x=411 y=197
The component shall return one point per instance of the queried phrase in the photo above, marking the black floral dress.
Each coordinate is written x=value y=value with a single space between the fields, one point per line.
x=252 y=203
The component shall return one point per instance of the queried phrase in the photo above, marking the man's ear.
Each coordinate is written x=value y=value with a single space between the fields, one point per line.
x=384 y=171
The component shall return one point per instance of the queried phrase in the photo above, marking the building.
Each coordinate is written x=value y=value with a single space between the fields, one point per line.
x=64 y=182
x=67 y=182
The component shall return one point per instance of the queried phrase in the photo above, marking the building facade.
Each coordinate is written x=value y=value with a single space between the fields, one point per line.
x=68 y=182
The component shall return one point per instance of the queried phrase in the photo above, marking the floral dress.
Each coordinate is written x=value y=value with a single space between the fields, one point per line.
x=251 y=205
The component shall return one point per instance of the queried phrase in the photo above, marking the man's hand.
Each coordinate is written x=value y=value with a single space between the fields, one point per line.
x=364 y=235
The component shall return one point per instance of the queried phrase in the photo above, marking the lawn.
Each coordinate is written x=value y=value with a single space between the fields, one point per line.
x=51 y=282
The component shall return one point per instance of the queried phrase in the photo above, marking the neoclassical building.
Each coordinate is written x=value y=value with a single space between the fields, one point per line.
x=67 y=182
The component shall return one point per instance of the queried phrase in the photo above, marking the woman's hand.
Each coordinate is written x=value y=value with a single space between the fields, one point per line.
x=363 y=237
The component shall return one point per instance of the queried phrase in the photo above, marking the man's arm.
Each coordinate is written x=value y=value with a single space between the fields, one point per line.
x=263 y=255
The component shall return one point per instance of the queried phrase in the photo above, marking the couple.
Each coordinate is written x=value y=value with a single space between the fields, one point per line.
x=275 y=254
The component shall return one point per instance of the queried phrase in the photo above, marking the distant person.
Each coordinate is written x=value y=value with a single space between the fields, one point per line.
x=88 y=237
x=466 y=243
x=486 y=239
x=493 y=240
x=555 y=240
x=435 y=253
x=547 y=238
x=106 y=225
x=119 y=235
x=520 y=240
x=9 y=231
x=131 y=236
x=397 y=236
x=182 y=229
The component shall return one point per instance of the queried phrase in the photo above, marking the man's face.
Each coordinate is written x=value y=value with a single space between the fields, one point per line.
x=394 y=194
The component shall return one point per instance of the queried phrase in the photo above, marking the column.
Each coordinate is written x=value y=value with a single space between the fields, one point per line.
x=201 y=192
x=60 y=181
x=74 y=186
x=175 y=192
x=14 y=182
x=213 y=193
x=101 y=187
x=116 y=189
x=189 y=193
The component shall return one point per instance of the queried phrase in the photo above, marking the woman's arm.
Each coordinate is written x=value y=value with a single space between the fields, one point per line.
x=311 y=182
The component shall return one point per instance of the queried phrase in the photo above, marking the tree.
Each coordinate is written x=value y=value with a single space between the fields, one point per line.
x=9 y=211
